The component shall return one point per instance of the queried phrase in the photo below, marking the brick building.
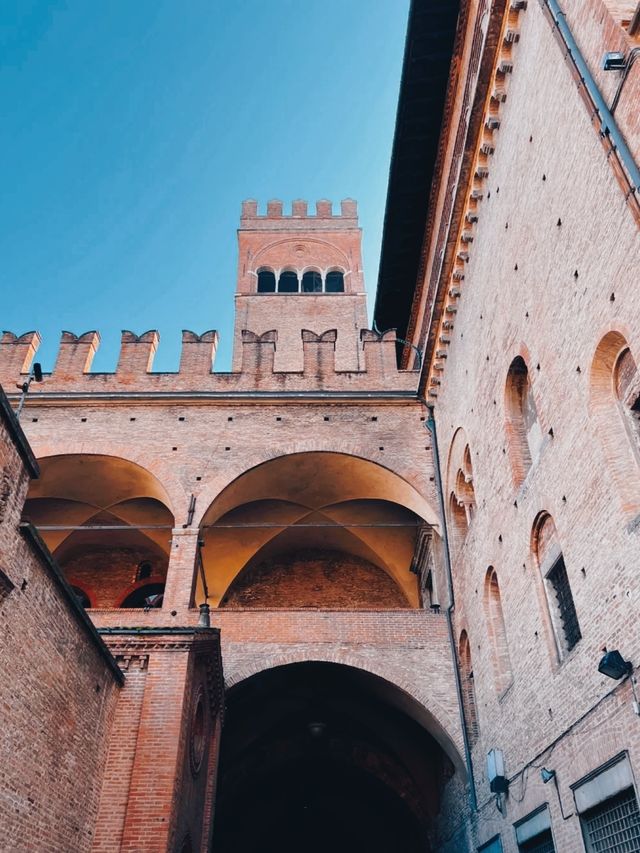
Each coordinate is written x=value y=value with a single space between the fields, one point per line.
x=406 y=549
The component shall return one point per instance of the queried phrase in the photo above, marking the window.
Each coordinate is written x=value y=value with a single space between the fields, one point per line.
x=312 y=282
x=468 y=688
x=144 y=571
x=627 y=385
x=493 y=846
x=608 y=808
x=524 y=435
x=288 y=282
x=562 y=611
x=266 y=281
x=503 y=675
x=615 y=411
x=613 y=825
x=334 y=282
x=462 y=499
x=533 y=833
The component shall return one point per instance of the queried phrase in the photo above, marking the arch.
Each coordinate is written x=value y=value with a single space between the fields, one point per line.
x=496 y=627
x=561 y=610
x=468 y=687
x=311 y=281
x=308 y=502
x=134 y=596
x=462 y=499
x=266 y=280
x=334 y=281
x=615 y=410
x=101 y=516
x=423 y=708
x=288 y=281
x=87 y=592
x=524 y=435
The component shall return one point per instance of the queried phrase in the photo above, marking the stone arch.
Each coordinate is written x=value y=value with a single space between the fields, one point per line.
x=444 y=727
x=522 y=424
x=615 y=409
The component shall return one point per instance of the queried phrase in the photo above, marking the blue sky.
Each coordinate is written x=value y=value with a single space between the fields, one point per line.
x=133 y=129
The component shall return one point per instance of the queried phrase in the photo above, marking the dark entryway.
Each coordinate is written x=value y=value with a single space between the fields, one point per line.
x=319 y=757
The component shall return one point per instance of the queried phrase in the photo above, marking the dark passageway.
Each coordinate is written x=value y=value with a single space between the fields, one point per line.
x=320 y=757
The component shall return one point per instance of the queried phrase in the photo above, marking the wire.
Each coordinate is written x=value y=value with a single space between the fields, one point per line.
x=258 y=525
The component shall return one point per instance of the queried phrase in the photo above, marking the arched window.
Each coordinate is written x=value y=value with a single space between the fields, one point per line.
x=312 y=282
x=144 y=570
x=562 y=611
x=82 y=596
x=627 y=385
x=334 y=282
x=266 y=281
x=468 y=688
x=462 y=499
x=503 y=675
x=288 y=282
x=524 y=435
x=148 y=596
x=615 y=411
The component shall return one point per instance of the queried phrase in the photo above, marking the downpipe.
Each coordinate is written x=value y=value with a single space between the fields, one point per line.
x=430 y=425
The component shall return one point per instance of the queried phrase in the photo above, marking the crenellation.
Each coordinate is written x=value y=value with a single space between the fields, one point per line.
x=319 y=353
x=258 y=352
x=16 y=355
x=137 y=353
x=380 y=353
x=198 y=353
x=75 y=354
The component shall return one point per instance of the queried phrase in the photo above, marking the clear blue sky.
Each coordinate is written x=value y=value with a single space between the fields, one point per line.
x=132 y=130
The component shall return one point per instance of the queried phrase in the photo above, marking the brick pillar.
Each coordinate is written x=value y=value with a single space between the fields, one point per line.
x=181 y=571
x=198 y=353
x=258 y=352
x=379 y=352
x=136 y=353
x=158 y=782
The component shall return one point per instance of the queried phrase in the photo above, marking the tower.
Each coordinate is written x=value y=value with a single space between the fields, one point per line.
x=300 y=272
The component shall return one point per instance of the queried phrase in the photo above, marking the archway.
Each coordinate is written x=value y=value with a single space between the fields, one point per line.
x=320 y=756
x=108 y=523
x=323 y=517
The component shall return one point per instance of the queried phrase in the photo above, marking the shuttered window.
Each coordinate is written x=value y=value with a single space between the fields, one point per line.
x=566 y=610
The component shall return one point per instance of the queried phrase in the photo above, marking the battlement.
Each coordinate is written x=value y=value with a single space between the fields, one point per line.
x=299 y=219
x=134 y=370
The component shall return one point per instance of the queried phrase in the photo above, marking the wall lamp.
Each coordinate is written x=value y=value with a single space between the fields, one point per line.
x=614 y=60
x=613 y=665
x=35 y=374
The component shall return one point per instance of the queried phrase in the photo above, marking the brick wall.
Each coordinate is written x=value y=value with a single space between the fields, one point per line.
x=58 y=689
x=551 y=270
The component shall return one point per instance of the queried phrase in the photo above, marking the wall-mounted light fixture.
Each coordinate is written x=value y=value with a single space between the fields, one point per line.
x=613 y=665
x=614 y=60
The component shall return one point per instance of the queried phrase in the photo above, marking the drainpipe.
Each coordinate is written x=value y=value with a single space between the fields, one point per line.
x=608 y=126
x=430 y=424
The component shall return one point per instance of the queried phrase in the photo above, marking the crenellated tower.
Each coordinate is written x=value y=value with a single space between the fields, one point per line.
x=301 y=273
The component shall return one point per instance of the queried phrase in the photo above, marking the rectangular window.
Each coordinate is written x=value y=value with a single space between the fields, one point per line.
x=542 y=843
x=613 y=826
x=493 y=846
x=566 y=618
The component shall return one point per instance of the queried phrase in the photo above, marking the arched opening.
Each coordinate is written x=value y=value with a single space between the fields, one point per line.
x=320 y=756
x=107 y=522
x=615 y=408
x=288 y=282
x=266 y=280
x=503 y=675
x=462 y=498
x=317 y=530
x=334 y=282
x=561 y=607
x=468 y=687
x=524 y=435
x=148 y=596
x=312 y=282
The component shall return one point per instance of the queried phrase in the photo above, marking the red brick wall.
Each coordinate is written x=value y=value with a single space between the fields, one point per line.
x=57 y=695
x=314 y=579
